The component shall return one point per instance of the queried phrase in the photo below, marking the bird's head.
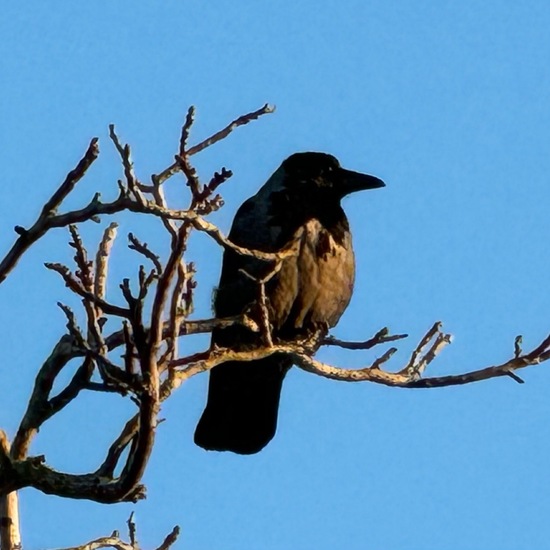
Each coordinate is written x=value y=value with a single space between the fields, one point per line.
x=320 y=174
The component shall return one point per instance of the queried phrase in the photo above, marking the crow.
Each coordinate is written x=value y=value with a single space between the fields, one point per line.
x=300 y=203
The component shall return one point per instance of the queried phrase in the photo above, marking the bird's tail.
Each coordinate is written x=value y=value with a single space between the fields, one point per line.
x=242 y=407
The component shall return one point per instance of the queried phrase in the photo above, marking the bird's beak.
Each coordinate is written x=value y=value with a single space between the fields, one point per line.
x=354 y=181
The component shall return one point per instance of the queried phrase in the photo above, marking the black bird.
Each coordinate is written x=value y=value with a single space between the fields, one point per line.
x=300 y=202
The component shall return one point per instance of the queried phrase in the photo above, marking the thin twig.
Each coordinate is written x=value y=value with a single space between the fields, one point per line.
x=143 y=249
x=27 y=237
x=132 y=532
x=381 y=337
x=170 y=538
x=125 y=156
x=192 y=178
x=222 y=134
x=114 y=540
x=77 y=288
x=102 y=260
x=186 y=128
x=200 y=326
x=214 y=138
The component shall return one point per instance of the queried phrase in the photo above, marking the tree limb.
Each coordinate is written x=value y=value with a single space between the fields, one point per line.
x=27 y=237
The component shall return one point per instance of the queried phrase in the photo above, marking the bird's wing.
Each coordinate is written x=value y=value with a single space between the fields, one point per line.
x=253 y=229
x=258 y=226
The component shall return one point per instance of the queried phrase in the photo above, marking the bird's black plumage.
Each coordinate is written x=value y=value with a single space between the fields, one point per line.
x=301 y=201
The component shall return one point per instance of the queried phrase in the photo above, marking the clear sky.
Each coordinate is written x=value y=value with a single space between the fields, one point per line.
x=449 y=103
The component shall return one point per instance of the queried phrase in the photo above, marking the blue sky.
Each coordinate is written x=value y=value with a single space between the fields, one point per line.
x=447 y=102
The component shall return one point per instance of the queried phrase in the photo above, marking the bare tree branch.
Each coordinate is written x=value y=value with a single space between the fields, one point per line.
x=72 y=178
x=188 y=327
x=408 y=377
x=27 y=237
x=114 y=541
x=143 y=249
x=170 y=539
x=72 y=283
x=214 y=138
x=10 y=536
x=102 y=260
x=125 y=155
x=381 y=337
x=186 y=128
x=40 y=408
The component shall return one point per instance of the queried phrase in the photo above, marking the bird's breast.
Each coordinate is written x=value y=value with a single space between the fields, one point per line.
x=315 y=286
